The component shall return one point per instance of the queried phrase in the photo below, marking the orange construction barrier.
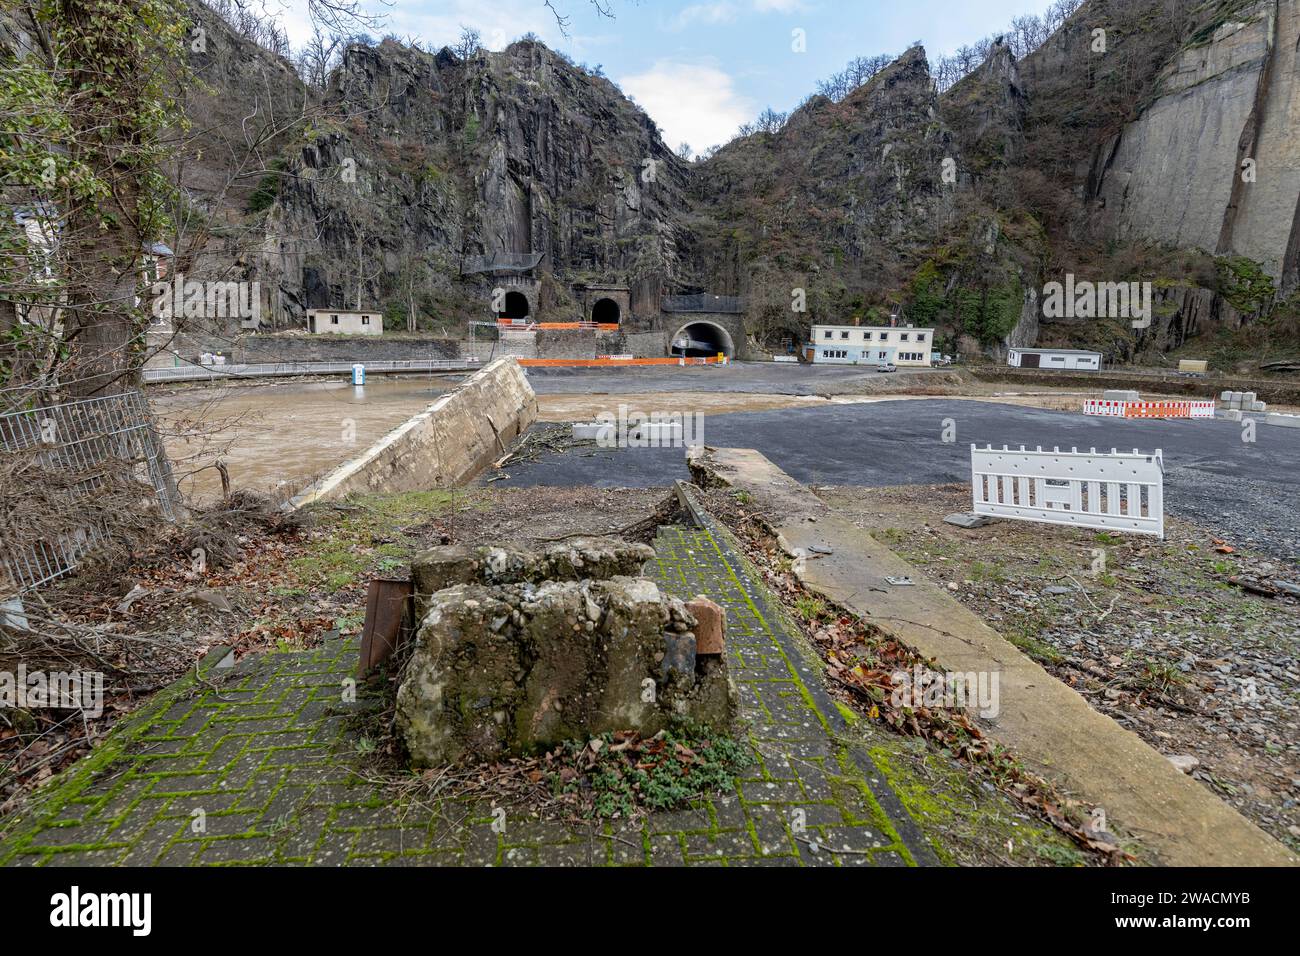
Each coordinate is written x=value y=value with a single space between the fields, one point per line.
x=558 y=326
x=617 y=363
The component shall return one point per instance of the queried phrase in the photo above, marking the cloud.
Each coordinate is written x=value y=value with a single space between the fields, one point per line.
x=696 y=103
x=728 y=11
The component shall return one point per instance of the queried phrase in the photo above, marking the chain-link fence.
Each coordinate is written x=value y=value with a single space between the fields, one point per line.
x=89 y=440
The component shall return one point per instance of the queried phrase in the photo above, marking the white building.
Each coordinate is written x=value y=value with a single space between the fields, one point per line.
x=344 y=322
x=1060 y=359
x=904 y=346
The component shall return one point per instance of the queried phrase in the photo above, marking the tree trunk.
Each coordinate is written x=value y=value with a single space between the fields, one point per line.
x=101 y=246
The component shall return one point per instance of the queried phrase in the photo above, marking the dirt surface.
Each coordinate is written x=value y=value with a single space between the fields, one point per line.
x=277 y=436
x=1156 y=637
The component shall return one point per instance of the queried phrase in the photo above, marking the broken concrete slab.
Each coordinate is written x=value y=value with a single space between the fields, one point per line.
x=969 y=520
x=1045 y=723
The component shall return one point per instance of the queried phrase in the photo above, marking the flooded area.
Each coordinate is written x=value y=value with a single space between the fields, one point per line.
x=280 y=436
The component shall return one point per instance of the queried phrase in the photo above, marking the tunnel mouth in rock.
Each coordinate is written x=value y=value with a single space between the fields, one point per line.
x=703 y=340
x=516 y=306
x=606 y=312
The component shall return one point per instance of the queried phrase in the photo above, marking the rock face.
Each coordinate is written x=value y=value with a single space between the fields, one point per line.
x=454 y=163
x=513 y=668
x=412 y=170
x=1232 y=95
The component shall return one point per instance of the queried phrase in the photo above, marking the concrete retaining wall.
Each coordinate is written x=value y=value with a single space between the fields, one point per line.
x=444 y=446
x=254 y=349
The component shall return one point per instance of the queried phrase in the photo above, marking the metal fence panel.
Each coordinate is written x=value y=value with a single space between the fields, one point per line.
x=1115 y=492
x=77 y=437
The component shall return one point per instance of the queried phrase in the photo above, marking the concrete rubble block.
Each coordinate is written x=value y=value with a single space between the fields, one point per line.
x=511 y=670
x=710 y=627
x=1120 y=395
x=594 y=431
x=1283 y=421
x=968 y=520
x=657 y=433
x=579 y=559
x=1259 y=407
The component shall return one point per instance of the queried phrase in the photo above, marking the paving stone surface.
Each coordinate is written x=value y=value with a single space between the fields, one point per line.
x=261 y=768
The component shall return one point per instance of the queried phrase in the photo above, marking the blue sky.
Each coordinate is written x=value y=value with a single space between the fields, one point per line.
x=701 y=68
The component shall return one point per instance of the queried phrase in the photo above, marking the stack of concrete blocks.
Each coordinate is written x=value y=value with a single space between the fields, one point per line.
x=1234 y=406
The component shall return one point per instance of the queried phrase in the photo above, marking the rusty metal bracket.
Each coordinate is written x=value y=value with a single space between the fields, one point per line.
x=387 y=602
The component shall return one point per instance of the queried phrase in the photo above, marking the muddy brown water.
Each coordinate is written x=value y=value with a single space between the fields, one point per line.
x=280 y=436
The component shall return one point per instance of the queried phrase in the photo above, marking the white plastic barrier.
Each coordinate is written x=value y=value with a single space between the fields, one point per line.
x=1115 y=492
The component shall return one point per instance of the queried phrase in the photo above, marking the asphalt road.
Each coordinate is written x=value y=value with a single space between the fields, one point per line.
x=1249 y=493
x=764 y=378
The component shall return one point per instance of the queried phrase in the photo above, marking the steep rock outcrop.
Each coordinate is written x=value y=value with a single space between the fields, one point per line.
x=1175 y=174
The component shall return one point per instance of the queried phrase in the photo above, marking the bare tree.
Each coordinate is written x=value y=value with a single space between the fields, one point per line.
x=318 y=58
x=469 y=44
x=604 y=8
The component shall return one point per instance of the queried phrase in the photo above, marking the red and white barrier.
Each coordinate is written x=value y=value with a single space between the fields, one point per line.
x=1106 y=409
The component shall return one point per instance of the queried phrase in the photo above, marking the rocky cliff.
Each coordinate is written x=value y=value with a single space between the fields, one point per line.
x=1213 y=161
x=1120 y=158
x=420 y=170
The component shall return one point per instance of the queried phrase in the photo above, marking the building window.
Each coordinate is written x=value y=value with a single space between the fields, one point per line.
x=334 y=320
x=828 y=334
x=844 y=336
x=365 y=320
x=907 y=337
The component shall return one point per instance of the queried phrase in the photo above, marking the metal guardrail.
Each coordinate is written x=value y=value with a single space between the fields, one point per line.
x=703 y=303
x=82 y=437
x=190 y=373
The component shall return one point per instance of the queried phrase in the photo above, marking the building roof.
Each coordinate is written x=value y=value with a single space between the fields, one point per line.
x=874 y=328
x=1056 y=351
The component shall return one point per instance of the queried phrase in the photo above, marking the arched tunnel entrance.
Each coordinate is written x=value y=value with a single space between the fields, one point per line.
x=703 y=340
x=516 y=306
x=606 y=312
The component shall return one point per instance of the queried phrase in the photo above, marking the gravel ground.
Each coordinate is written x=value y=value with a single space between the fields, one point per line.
x=1158 y=639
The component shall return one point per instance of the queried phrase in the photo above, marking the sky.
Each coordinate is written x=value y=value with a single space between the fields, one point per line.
x=701 y=68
